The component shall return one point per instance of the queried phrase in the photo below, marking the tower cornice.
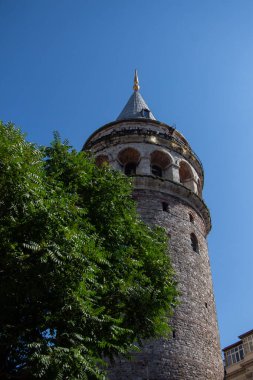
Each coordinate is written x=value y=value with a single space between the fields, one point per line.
x=117 y=122
x=163 y=134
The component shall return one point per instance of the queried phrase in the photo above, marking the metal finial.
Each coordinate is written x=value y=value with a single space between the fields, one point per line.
x=136 y=86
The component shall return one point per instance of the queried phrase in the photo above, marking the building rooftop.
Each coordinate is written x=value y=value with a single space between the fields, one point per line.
x=246 y=334
x=238 y=358
x=232 y=345
x=241 y=337
x=136 y=107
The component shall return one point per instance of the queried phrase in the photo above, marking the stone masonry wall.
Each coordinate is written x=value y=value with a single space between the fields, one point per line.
x=193 y=352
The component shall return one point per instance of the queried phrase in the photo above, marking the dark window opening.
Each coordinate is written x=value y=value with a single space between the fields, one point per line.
x=174 y=334
x=156 y=170
x=191 y=218
x=130 y=168
x=194 y=243
x=206 y=304
x=145 y=112
x=234 y=355
x=165 y=206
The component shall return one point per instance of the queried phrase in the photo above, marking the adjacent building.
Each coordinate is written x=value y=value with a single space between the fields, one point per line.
x=238 y=358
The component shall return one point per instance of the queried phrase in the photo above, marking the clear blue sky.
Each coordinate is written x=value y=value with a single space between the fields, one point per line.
x=68 y=65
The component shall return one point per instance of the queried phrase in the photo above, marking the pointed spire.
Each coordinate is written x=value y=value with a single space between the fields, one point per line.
x=136 y=86
x=136 y=107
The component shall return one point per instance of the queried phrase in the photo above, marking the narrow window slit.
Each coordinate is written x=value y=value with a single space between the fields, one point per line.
x=165 y=206
x=194 y=243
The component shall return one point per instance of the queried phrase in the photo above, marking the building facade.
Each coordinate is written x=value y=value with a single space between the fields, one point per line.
x=168 y=180
x=238 y=358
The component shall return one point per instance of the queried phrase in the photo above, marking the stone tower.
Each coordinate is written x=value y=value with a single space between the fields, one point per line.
x=168 y=180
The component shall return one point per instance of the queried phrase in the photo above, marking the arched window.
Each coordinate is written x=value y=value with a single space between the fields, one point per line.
x=191 y=218
x=156 y=170
x=130 y=168
x=194 y=243
x=129 y=159
x=159 y=162
x=187 y=177
x=101 y=160
x=185 y=172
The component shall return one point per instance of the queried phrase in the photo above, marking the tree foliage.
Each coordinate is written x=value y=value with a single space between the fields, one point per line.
x=81 y=277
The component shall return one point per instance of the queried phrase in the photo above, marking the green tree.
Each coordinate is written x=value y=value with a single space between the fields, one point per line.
x=81 y=276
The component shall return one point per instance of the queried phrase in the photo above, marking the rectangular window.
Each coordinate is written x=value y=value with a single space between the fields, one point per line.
x=248 y=344
x=235 y=355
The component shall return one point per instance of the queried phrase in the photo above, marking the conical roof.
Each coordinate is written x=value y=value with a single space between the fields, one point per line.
x=136 y=107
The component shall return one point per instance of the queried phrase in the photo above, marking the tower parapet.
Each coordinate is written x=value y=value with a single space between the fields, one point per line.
x=168 y=179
